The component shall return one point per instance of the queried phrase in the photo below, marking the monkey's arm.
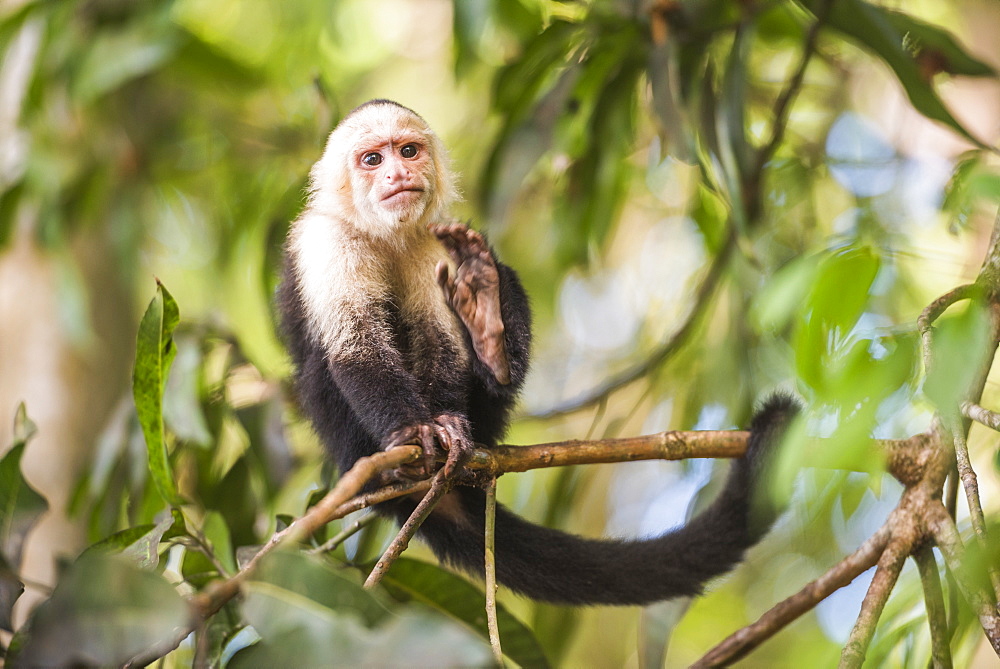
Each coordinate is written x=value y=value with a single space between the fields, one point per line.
x=489 y=300
x=390 y=403
x=516 y=313
x=356 y=382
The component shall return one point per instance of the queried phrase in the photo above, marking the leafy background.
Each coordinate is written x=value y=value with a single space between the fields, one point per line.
x=643 y=167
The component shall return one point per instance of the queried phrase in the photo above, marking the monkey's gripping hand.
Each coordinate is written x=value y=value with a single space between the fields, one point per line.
x=474 y=294
x=448 y=432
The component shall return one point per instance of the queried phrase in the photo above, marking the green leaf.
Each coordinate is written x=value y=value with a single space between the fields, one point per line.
x=838 y=296
x=215 y=530
x=462 y=601
x=843 y=282
x=883 y=32
x=104 y=611
x=312 y=577
x=202 y=62
x=154 y=352
x=197 y=569
x=598 y=175
x=20 y=509
x=530 y=94
x=958 y=345
x=920 y=38
x=667 y=101
x=735 y=152
x=116 y=57
x=784 y=294
x=182 y=409
x=655 y=628
x=235 y=497
x=140 y=544
x=469 y=19
x=10 y=589
x=307 y=613
x=517 y=85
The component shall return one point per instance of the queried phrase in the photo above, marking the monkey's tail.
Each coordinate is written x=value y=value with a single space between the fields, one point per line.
x=554 y=566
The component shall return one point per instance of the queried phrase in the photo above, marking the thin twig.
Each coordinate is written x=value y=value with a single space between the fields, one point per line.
x=700 y=304
x=346 y=533
x=934 y=310
x=951 y=493
x=937 y=617
x=213 y=598
x=971 y=486
x=201 y=647
x=983 y=416
x=950 y=543
x=389 y=492
x=782 y=109
x=741 y=642
x=491 y=572
x=951 y=506
x=439 y=487
x=889 y=565
x=323 y=512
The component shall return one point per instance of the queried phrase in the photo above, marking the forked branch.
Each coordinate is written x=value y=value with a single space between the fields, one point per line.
x=741 y=642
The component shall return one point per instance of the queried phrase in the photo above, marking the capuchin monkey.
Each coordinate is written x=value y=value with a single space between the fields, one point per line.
x=405 y=328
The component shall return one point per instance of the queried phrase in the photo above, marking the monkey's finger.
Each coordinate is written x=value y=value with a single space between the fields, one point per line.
x=427 y=443
x=453 y=247
x=456 y=458
x=465 y=241
x=404 y=435
x=450 y=234
x=444 y=438
x=458 y=445
x=444 y=279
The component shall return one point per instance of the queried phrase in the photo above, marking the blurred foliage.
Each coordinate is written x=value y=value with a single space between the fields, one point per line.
x=615 y=150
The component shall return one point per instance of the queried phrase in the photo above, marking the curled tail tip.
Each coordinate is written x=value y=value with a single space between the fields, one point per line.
x=779 y=407
x=771 y=420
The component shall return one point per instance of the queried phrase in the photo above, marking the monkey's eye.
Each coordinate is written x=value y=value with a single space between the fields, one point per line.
x=408 y=151
x=372 y=159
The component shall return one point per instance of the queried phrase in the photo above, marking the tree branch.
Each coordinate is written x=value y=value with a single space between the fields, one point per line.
x=745 y=640
x=384 y=494
x=215 y=596
x=937 y=617
x=439 y=486
x=971 y=486
x=783 y=106
x=345 y=533
x=889 y=565
x=934 y=310
x=982 y=416
x=948 y=540
x=491 y=572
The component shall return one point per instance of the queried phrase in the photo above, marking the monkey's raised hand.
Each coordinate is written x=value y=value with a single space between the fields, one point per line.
x=474 y=294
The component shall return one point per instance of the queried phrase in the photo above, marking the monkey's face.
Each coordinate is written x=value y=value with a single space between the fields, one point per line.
x=392 y=175
x=384 y=172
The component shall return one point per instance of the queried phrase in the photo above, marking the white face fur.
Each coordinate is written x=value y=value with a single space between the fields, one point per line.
x=383 y=171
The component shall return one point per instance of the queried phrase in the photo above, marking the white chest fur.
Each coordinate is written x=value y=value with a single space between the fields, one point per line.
x=344 y=279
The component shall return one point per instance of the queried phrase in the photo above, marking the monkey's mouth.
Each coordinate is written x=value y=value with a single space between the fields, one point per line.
x=400 y=194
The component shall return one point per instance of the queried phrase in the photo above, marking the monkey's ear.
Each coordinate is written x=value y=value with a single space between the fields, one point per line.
x=448 y=192
x=330 y=180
